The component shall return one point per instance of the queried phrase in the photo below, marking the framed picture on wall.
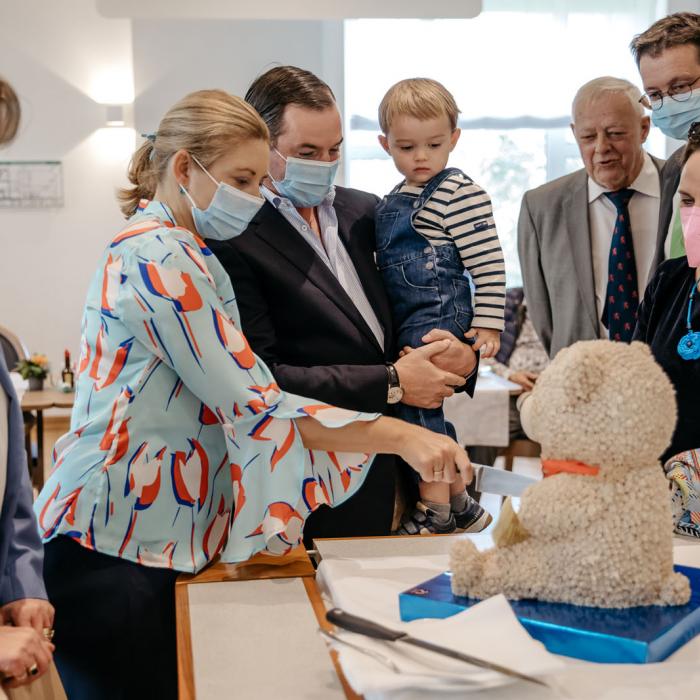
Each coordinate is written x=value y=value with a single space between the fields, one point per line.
x=29 y=184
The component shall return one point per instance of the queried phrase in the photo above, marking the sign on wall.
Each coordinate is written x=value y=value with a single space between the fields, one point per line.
x=29 y=184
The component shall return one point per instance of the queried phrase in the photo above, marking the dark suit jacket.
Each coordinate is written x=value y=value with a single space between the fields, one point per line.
x=670 y=176
x=299 y=319
x=301 y=322
x=554 y=245
x=21 y=551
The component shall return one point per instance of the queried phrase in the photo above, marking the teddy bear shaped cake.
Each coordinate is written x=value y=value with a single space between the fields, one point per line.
x=597 y=530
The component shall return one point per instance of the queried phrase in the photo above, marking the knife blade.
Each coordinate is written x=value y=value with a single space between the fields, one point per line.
x=499 y=481
x=360 y=625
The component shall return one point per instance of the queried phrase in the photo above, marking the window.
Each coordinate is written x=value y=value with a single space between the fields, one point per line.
x=513 y=71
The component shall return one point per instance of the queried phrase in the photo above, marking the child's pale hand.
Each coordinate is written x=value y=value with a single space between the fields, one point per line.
x=488 y=341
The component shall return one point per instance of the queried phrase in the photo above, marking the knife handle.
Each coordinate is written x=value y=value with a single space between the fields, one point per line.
x=360 y=625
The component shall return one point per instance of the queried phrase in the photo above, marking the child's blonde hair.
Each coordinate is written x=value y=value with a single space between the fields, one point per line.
x=206 y=123
x=421 y=98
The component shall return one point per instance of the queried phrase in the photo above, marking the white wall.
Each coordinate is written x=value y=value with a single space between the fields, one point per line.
x=63 y=58
x=174 y=57
x=56 y=55
x=59 y=56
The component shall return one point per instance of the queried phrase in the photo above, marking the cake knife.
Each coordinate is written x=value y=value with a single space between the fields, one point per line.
x=500 y=481
x=361 y=625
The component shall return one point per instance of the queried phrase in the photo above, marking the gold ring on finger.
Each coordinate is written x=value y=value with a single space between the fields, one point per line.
x=48 y=633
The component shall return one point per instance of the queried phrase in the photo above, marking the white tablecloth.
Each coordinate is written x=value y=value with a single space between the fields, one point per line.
x=482 y=420
x=371 y=587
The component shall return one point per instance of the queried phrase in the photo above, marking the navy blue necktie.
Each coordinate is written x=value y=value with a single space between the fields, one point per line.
x=622 y=299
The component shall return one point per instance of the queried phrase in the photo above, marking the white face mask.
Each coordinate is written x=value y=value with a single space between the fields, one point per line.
x=228 y=214
x=306 y=183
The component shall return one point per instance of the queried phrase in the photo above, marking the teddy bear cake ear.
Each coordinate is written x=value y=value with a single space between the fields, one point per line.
x=584 y=377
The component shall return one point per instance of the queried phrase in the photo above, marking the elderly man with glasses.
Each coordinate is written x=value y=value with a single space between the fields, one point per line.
x=668 y=58
x=588 y=241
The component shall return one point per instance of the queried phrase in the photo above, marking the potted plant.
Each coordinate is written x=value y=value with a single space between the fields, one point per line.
x=34 y=369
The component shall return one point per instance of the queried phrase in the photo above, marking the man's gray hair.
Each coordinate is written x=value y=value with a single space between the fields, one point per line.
x=607 y=84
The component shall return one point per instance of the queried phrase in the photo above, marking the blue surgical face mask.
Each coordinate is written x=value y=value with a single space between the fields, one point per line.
x=228 y=214
x=674 y=118
x=306 y=182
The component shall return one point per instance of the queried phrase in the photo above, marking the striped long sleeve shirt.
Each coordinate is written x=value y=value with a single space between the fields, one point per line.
x=460 y=213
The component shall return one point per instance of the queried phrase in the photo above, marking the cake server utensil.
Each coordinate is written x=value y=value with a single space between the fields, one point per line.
x=360 y=625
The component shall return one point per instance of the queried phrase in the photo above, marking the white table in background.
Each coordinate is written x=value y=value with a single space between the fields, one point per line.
x=483 y=419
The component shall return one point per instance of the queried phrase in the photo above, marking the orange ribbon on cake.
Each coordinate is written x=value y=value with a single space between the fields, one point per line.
x=550 y=467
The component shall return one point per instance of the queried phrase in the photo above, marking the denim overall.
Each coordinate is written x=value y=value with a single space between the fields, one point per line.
x=426 y=284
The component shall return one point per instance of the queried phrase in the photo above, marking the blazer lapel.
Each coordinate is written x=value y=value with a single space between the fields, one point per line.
x=670 y=176
x=578 y=228
x=665 y=213
x=270 y=226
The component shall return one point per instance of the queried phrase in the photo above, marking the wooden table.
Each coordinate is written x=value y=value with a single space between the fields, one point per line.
x=40 y=401
x=296 y=565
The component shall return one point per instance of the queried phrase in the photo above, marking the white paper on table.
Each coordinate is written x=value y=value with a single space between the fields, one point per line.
x=370 y=587
x=359 y=587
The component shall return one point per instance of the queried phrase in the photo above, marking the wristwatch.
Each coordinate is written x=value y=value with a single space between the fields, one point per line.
x=395 y=393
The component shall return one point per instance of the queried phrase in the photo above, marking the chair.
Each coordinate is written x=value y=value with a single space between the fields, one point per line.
x=15 y=350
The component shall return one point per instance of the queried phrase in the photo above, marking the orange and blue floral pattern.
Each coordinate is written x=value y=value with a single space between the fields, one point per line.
x=182 y=446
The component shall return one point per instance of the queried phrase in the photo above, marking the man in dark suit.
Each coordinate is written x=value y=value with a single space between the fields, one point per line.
x=311 y=299
x=668 y=58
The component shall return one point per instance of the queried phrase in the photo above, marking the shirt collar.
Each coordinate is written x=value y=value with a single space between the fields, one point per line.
x=157 y=209
x=647 y=182
x=280 y=202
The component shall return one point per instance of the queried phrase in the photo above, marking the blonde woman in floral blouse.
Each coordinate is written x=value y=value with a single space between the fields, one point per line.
x=182 y=447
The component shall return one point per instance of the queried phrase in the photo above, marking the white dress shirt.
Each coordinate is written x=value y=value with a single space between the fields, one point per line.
x=644 y=220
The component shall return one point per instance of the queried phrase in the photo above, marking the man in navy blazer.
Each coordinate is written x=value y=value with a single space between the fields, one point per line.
x=25 y=653
x=22 y=592
x=21 y=551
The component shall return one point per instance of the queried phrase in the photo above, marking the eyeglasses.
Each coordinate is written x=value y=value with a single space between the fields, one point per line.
x=678 y=92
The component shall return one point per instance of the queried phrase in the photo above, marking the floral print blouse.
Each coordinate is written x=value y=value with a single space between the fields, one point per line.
x=182 y=446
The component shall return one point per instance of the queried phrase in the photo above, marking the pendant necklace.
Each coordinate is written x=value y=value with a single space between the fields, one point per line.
x=689 y=345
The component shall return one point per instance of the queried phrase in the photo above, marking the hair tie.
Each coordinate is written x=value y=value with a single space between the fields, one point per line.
x=152 y=139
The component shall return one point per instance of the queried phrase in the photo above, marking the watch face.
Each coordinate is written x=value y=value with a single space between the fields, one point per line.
x=395 y=394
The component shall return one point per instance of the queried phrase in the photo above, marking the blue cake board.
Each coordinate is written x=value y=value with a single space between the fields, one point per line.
x=637 y=635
